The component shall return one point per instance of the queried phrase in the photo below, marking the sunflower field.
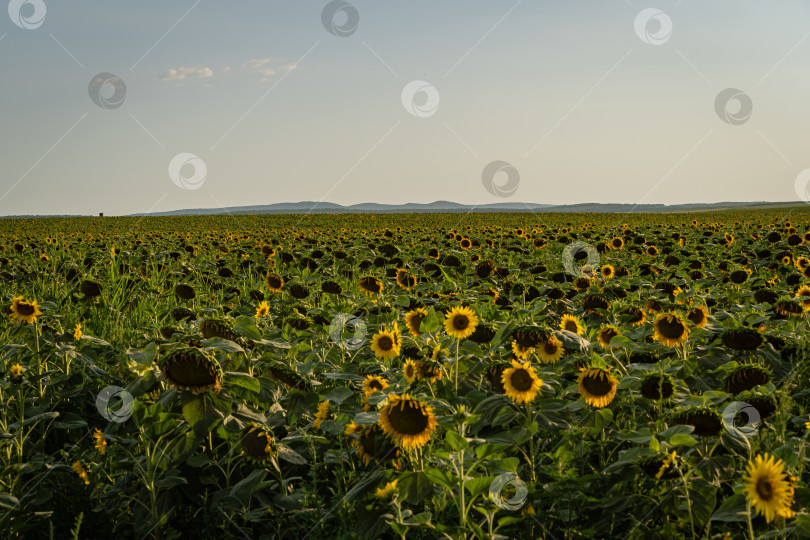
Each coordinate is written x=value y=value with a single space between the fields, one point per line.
x=478 y=376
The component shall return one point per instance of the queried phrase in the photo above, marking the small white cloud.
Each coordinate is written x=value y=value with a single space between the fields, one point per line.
x=256 y=63
x=289 y=67
x=182 y=73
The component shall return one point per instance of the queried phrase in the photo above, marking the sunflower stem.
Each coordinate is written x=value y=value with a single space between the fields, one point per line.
x=750 y=523
x=458 y=345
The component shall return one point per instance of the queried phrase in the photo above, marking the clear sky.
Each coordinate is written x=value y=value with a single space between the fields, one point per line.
x=584 y=101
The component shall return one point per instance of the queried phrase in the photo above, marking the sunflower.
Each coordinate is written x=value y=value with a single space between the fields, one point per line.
x=787 y=308
x=652 y=251
x=572 y=324
x=742 y=339
x=484 y=269
x=388 y=489
x=321 y=414
x=637 y=316
x=410 y=371
x=656 y=386
x=274 y=282
x=77 y=332
x=607 y=271
x=706 y=421
x=521 y=382
x=370 y=447
x=370 y=285
x=460 y=322
x=257 y=443
x=428 y=370
x=522 y=352
x=606 y=334
x=374 y=383
x=670 y=329
x=597 y=386
x=804 y=294
x=405 y=280
x=767 y=487
x=407 y=421
x=414 y=319
x=15 y=370
x=385 y=344
x=746 y=377
x=24 y=311
x=698 y=316
x=101 y=443
x=262 y=310
x=192 y=369
x=617 y=243
x=79 y=469
x=550 y=351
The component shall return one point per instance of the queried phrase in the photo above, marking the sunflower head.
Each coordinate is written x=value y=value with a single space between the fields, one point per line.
x=656 y=386
x=407 y=421
x=413 y=320
x=460 y=322
x=274 y=282
x=768 y=488
x=705 y=420
x=521 y=382
x=597 y=386
x=370 y=285
x=742 y=339
x=746 y=377
x=698 y=316
x=24 y=311
x=571 y=323
x=386 y=344
x=192 y=369
x=606 y=334
x=257 y=443
x=374 y=383
x=410 y=371
x=670 y=330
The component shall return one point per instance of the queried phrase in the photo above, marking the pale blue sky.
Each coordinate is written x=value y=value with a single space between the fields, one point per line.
x=566 y=92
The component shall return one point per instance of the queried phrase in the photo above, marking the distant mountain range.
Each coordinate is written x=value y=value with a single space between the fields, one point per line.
x=310 y=207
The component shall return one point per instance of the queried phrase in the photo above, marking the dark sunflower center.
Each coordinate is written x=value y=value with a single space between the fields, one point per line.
x=550 y=348
x=521 y=380
x=375 y=385
x=461 y=322
x=596 y=385
x=367 y=440
x=385 y=343
x=609 y=334
x=408 y=418
x=765 y=489
x=416 y=320
x=254 y=444
x=410 y=371
x=191 y=372
x=273 y=282
x=671 y=328
x=696 y=316
x=25 y=309
x=571 y=326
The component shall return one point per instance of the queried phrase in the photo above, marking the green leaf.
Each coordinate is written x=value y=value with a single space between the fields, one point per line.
x=220 y=344
x=290 y=456
x=403 y=300
x=243 y=380
x=415 y=487
x=441 y=477
x=478 y=485
x=456 y=441
x=681 y=439
x=339 y=395
x=655 y=446
x=735 y=508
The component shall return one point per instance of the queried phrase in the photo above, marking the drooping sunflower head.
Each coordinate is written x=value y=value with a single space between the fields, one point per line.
x=211 y=328
x=522 y=352
x=429 y=370
x=742 y=339
x=257 y=443
x=299 y=291
x=804 y=294
x=405 y=279
x=413 y=320
x=192 y=369
x=705 y=420
x=521 y=382
x=597 y=386
x=24 y=311
x=386 y=344
x=788 y=308
x=606 y=334
x=746 y=377
x=184 y=291
x=635 y=316
x=592 y=302
x=550 y=351
x=484 y=269
x=656 y=386
x=670 y=330
x=370 y=285
x=407 y=421
x=460 y=322
x=767 y=487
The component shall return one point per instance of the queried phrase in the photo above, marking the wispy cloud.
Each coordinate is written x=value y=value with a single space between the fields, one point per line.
x=182 y=73
x=256 y=63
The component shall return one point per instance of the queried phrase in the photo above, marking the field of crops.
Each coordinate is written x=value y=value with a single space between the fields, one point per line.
x=391 y=376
